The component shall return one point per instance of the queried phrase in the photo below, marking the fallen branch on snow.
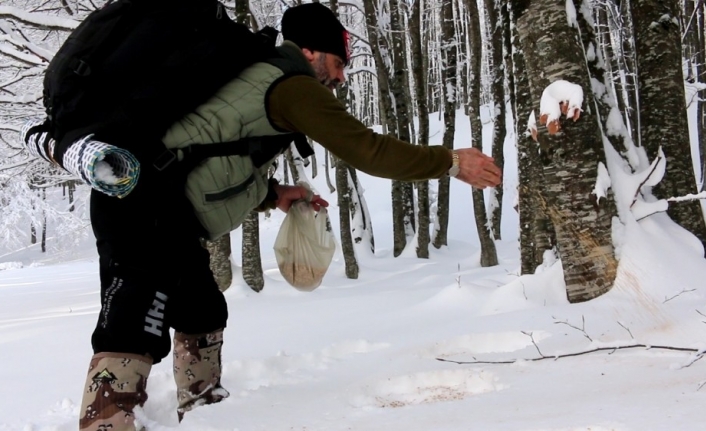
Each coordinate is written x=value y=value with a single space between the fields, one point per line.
x=699 y=354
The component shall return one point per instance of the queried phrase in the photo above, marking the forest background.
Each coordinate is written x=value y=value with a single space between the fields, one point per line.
x=597 y=108
x=636 y=65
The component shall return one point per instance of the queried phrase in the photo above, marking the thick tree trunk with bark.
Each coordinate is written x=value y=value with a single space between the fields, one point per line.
x=663 y=115
x=536 y=229
x=552 y=51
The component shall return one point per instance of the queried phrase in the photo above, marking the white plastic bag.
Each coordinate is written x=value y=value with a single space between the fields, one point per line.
x=304 y=246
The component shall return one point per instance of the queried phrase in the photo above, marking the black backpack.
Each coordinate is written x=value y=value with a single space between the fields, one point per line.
x=134 y=67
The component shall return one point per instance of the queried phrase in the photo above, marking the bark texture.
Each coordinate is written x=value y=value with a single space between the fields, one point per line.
x=552 y=51
x=344 y=203
x=220 y=251
x=252 y=262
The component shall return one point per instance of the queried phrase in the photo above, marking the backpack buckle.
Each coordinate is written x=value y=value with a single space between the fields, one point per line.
x=164 y=160
x=82 y=69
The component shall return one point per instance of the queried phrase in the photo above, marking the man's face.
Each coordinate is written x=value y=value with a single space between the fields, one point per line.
x=328 y=69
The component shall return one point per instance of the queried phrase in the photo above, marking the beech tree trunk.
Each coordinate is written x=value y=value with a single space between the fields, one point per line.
x=552 y=51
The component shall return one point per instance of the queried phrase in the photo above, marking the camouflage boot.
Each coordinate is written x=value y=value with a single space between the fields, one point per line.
x=115 y=385
x=197 y=370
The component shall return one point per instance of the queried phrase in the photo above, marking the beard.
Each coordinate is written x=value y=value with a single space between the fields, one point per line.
x=322 y=74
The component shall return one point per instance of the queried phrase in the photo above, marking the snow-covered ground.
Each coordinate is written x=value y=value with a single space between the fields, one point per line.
x=362 y=354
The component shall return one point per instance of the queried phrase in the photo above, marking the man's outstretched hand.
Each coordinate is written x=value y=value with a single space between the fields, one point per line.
x=478 y=169
x=286 y=195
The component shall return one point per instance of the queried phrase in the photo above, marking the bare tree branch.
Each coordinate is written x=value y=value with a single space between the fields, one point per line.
x=639 y=188
x=38 y=19
x=678 y=294
x=627 y=329
x=582 y=329
x=699 y=354
x=533 y=342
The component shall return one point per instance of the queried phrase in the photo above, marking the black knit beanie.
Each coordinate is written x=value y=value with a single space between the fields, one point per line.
x=315 y=27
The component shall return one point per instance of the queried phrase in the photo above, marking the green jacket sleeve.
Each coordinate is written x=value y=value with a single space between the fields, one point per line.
x=302 y=104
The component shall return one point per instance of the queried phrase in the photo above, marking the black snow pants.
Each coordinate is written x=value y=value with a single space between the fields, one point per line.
x=154 y=271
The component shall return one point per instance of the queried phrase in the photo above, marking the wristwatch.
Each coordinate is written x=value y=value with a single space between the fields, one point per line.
x=455 y=168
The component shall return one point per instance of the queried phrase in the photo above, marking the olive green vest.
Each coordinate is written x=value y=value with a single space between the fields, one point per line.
x=224 y=190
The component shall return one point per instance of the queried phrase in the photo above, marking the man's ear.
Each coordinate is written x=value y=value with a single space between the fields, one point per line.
x=309 y=54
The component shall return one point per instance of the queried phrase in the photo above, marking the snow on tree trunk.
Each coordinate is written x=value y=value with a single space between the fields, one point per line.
x=363 y=224
x=663 y=120
x=570 y=157
x=497 y=78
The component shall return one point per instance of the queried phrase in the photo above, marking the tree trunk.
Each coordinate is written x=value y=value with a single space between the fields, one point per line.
x=363 y=228
x=402 y=192
x=536 y=230
x=449 y=71
x=344 y=191
x=628 y=54
x=252 y=262
x=701 y=112
x=71 y=185
x=663 y=120
x=497 y=79
x=44 y=221
x=488 y=253
x=396 y=120
x=344 y=216
x=220 y=251
x=327 y=168
x=552 y=51
x=420 y=82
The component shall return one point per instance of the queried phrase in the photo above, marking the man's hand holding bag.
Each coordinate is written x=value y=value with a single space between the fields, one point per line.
x=305 y=244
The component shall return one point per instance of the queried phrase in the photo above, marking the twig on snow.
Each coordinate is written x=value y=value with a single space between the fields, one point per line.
x=678 y=294
x=627 y=329
x=612 y=349
x=701 y=314
x=529 y=334
x=582 y=329
x=639 y=188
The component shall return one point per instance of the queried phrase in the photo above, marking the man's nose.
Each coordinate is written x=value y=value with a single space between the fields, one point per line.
x=341 y=76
